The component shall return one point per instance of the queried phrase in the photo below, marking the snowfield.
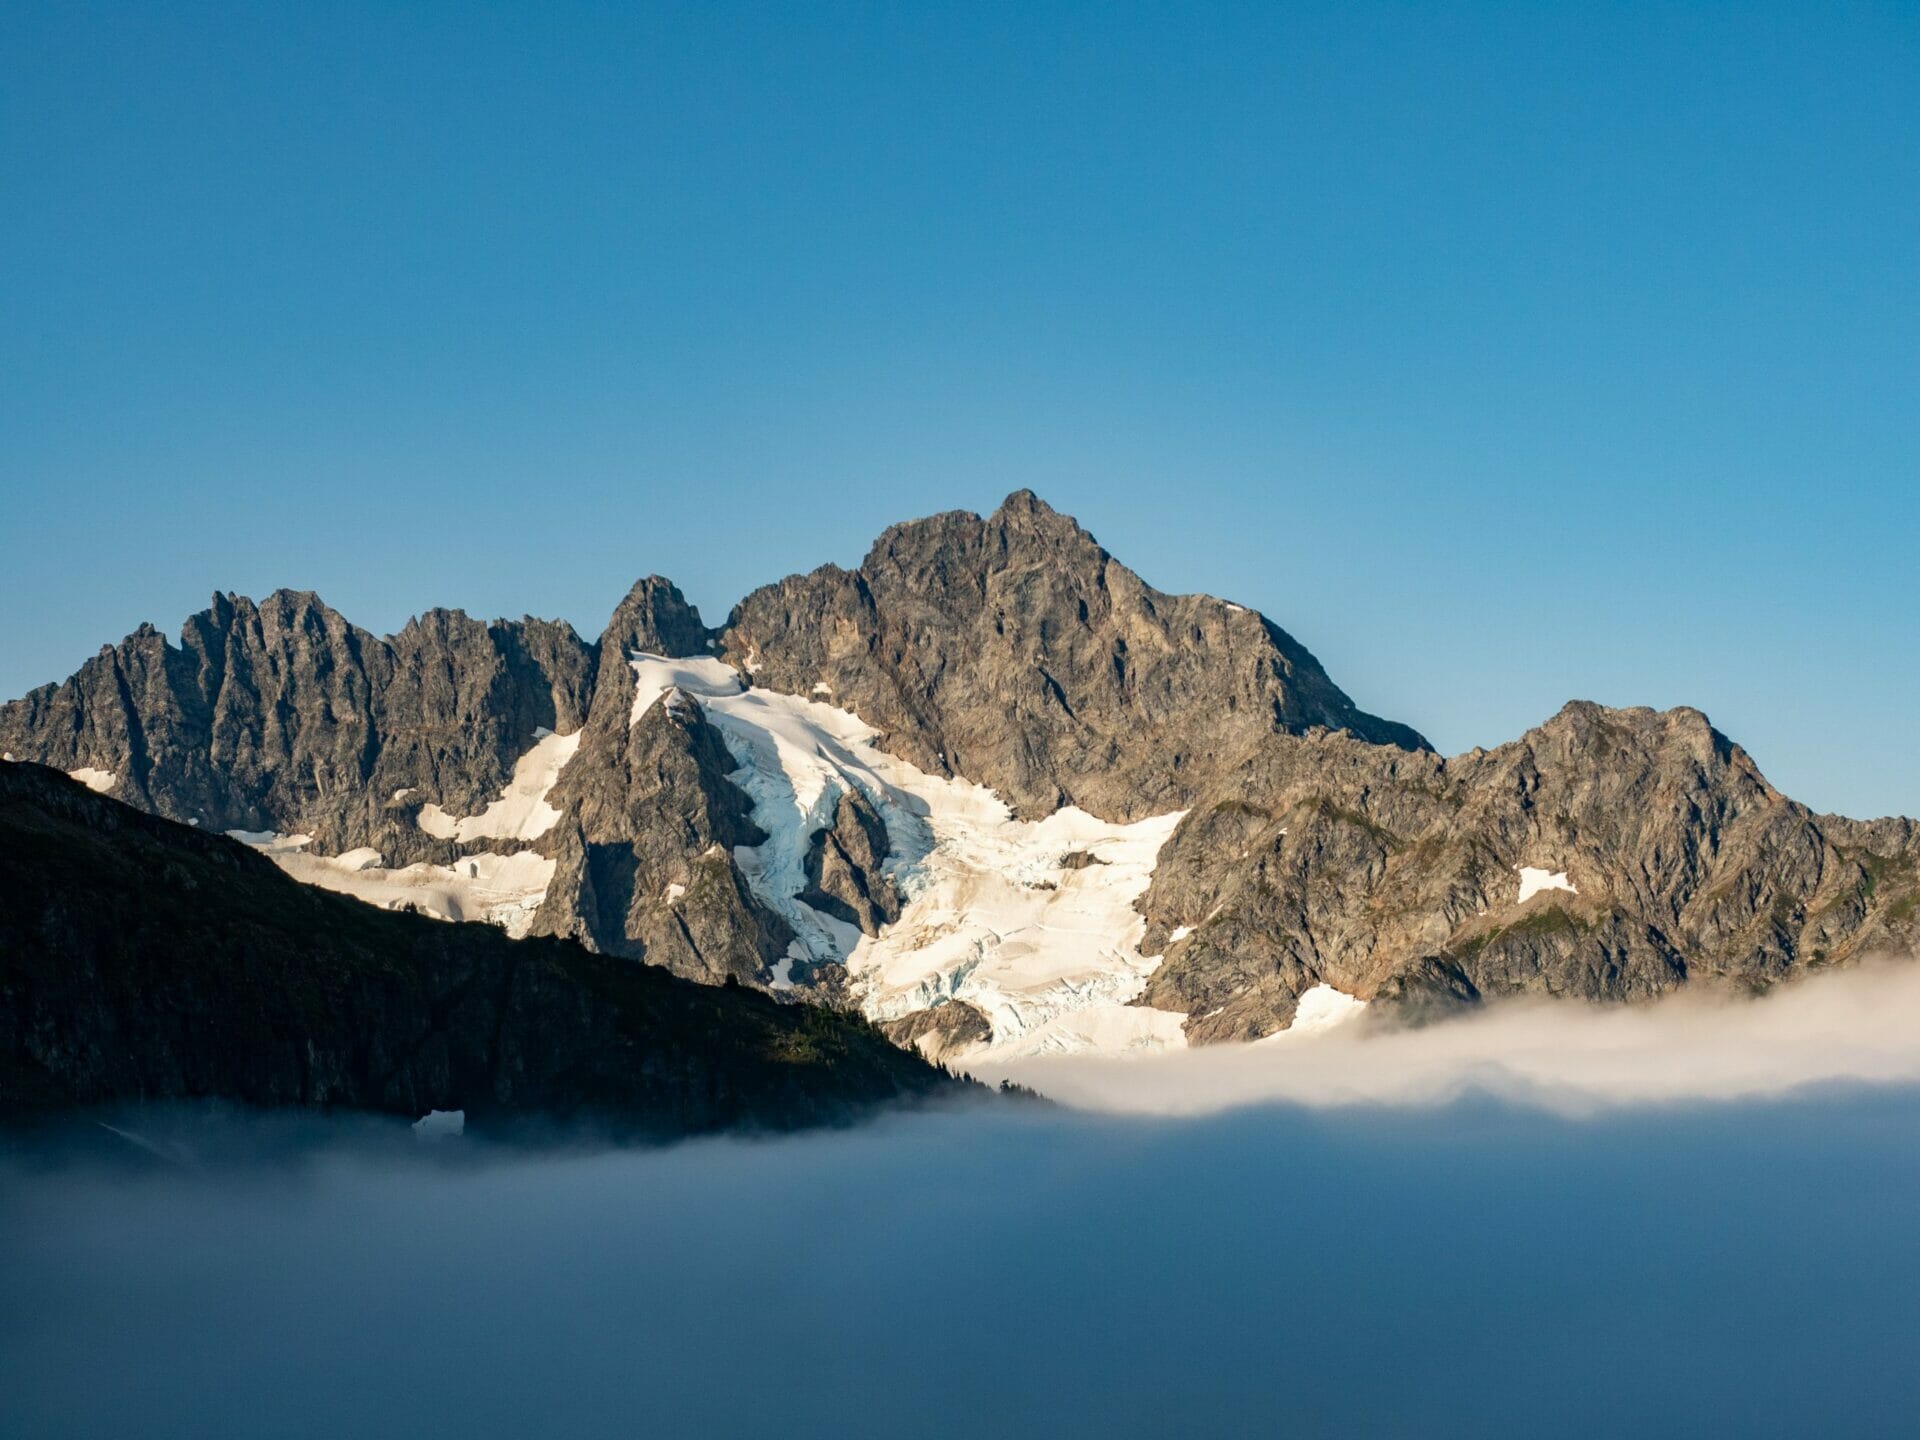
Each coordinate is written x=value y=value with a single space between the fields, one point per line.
x=1320 y=1009
x=503 y=890
x=522 y=811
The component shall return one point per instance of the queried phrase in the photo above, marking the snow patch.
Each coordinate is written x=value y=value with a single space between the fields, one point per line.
x=522 y=811
x=98 y=781
x=783 y=967
x=271 y=841
x=1180 y=932
x=1319 y=1009
x=674 y=891
x=1534 y=880
x=503 y=890
x=441 y=1124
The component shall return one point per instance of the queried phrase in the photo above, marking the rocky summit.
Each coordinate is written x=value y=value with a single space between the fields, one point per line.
x=991 y=788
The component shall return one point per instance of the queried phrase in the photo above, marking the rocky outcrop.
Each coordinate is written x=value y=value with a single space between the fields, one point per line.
x=645 y=864
x=644 y=859
x=142 y=960
x=1658 y=856
x=1016 y=652
x=655 y=618
x=843 y=867
x=941 y=1031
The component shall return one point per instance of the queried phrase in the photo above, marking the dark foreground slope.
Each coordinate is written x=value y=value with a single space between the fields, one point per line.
x=140 y=959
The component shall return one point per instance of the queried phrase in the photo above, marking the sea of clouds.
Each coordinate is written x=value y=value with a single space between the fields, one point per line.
x=1695 y=1219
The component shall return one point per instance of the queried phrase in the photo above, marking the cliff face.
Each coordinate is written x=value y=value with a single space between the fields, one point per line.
x=140 y=959
x=713 y=802
x=283 y=716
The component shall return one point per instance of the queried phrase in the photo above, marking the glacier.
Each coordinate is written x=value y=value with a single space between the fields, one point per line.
x=993 y=915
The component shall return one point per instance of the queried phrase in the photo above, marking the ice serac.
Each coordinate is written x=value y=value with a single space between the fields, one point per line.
x=1015 y=651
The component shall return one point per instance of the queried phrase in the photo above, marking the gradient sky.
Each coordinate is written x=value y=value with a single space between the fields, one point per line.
x=1504 y=355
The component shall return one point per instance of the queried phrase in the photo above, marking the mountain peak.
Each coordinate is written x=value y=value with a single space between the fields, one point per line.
x=1016 y=651
x=657 y=618
x=1024 y=512
x=1025 y=502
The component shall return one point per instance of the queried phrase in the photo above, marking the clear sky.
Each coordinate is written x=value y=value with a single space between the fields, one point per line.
x=1504 y=354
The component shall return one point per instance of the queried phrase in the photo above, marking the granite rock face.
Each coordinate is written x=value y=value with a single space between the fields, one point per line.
x=1016 y=652
x=645 y=864
x=1320 y=844
x=843 y=867
x=1667 y=859
x=940 y=1031
x=283 y=716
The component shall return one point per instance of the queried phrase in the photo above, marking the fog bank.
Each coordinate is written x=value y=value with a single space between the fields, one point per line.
x=1568 y=1057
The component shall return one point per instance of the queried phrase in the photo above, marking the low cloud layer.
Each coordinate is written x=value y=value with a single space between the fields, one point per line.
x=1473 y=1271
x=1856 y=1025
x=1381 y=1234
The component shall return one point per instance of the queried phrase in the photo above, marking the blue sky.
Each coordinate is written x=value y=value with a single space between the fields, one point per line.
x=1504 y=354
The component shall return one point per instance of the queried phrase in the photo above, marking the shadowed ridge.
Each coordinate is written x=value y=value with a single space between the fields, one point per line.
x=142 y=960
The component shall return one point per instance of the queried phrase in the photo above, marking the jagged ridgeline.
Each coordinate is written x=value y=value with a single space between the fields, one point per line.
x=990 y=787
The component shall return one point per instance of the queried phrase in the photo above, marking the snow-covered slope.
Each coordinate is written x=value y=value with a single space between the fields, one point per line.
x=1534 y=880
x=1032 y=923
x=522 y=811
x=502 y=889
